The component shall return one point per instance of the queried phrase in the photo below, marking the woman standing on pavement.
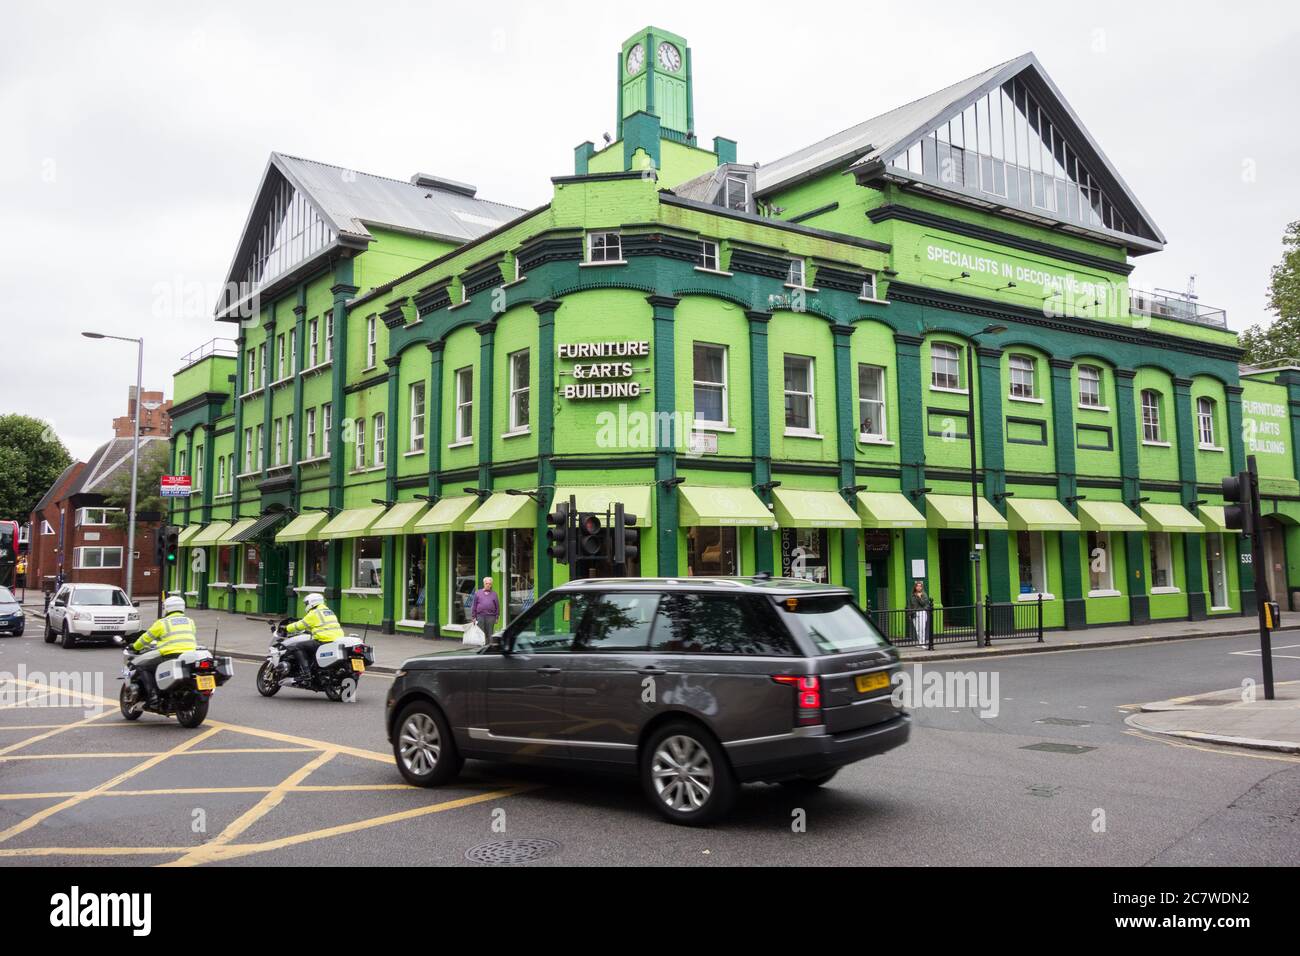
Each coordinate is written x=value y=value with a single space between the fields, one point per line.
x=918 y=613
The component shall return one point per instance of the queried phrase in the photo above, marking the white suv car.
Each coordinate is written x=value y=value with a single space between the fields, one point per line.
x=91 y=612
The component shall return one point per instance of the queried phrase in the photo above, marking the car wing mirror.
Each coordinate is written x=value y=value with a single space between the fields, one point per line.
x=135 y=603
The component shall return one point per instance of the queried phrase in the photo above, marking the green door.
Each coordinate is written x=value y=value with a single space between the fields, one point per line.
x=955 y=578
x=275 y=578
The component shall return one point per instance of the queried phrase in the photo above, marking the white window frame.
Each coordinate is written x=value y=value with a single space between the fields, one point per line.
x=416 y=405
x=261 y=447
x=725 y=421
x=262 y=363
x=882 y=434
x=279 y=357
x=1093 y=375
x=288 y=439
x=221 y=474
x=293 y=351
x=1037 y=564
x=278 y=443
x=250 y=376
x=198 y=470
x=710 y=255
x=313 y=342
x=1205 y=409
x=379 y=425
x=516 y=361
x=1104 y=585
x=311 y=433
x=955 y=358
x=797 y=274
x=604 y=247
x=326 y=426
x=1021 y=364
x=359 y=445
x=82 y=517
x=46 y=527
x=79 y=558
x=1151 y=430
x=329 y=337
x=248 y=451
x=743 y=183
x=1161 y=555
x=868 y=292
x=372 y=342
x=519 y=271
x=466 y=434
x=810 y=395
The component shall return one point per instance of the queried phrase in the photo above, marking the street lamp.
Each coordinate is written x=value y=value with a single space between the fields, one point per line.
x=974 y=480
x=135 y=459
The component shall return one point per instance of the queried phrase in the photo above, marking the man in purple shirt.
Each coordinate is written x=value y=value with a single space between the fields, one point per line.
x=486 y=608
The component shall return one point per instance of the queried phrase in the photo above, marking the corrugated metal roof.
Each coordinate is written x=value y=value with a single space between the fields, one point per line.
x=876 y=135
x=349 y=199
x=54 y=488
x=107 y=460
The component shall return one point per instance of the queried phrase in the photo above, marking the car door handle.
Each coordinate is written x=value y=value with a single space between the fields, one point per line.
x=548 y=671
x=654 y=671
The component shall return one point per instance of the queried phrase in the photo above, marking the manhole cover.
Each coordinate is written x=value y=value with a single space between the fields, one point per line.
x=511 y=852
x=1064 y=722
x=1059 y=748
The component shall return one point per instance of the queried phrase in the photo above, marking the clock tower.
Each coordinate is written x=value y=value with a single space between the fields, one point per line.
x=654 y=76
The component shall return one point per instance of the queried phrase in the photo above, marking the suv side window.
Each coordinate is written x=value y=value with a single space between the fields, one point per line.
x=720 y=624
x=551 y=625
x=619 y=622
x=61 y=598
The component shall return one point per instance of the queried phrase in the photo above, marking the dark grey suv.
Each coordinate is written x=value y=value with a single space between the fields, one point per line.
x=697 y=685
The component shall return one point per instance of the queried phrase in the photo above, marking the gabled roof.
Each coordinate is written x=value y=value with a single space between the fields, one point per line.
x=343 y=204
x=110 y=458
x=52 y=493
x=885 y=137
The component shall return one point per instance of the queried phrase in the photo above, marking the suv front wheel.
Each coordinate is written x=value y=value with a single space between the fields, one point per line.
x=686 y=774
x=424 y=748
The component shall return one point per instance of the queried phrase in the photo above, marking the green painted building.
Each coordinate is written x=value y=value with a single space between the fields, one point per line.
x=767 y=363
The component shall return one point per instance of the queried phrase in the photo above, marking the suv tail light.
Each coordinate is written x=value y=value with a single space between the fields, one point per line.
x=807 y=700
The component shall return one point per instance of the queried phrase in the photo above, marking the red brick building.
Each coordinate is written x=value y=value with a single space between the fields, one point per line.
x=155 y=419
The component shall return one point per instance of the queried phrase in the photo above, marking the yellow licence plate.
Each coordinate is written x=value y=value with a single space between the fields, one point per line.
x=206 y=683
x=359 y=665
x=869 y=682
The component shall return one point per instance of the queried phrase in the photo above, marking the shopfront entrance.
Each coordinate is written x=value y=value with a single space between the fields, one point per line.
x=876 y=554
x=275 y=577
x=955 y=588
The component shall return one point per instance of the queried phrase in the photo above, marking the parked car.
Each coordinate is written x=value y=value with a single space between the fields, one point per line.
x=12 y=619
x=696 y=685
x=91 y=612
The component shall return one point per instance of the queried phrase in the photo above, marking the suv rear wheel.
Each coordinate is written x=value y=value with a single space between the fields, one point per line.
x=425 y=750
x=686 y=774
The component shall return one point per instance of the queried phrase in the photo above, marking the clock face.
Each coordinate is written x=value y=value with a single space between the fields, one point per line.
x=635 y=58
x=669 y=58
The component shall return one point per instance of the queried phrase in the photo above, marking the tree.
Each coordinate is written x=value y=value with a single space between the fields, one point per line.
x=1279 y=341
x=31 y=459
x=155 y=459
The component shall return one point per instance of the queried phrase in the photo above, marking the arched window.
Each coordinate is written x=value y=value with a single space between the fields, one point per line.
x=1022 y=376
x=1089 y=386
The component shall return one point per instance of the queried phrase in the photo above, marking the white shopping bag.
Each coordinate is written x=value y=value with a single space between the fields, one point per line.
x=474 y=635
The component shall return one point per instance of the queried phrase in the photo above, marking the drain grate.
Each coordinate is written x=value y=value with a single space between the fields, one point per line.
x=510 y=852
x=1059 y=748
x=1064 y=722
x=1043 y=790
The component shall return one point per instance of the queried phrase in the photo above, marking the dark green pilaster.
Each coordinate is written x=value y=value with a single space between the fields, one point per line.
x=205 y=513
x=342 y=290
x=1186 y=441
x=241 y=374
x=545 y=393
x=487 y=337
x=993 y=462
x=391 y=583
x=268 y=436
x=846 y=428
x=761 y=428
x=433 y=450
x=665 y=446
x=911 y=455
x=300 y=337
x=1139 y=603
x=1237 y=450
x=1067 y=487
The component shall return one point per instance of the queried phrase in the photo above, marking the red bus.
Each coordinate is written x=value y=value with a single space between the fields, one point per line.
x=9 y=554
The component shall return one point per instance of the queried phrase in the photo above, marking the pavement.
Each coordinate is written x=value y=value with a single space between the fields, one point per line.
x=246 y=637
x=1238 y=716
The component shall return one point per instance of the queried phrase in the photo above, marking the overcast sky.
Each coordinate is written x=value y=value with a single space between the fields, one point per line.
x=133 y=135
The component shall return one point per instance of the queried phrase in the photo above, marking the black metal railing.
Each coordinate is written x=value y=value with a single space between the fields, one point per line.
x=935 y=626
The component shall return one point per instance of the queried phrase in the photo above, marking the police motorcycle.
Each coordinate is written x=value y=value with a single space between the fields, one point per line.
x=335 y=668
x=186 y=682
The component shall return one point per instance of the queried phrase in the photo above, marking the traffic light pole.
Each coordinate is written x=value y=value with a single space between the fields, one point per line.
x=1267 y=621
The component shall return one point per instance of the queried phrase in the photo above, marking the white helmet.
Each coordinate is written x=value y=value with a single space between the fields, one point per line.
x=313 y=600
x=174 y=602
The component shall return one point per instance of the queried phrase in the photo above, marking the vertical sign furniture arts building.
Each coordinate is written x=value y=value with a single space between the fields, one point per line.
x=767 y=364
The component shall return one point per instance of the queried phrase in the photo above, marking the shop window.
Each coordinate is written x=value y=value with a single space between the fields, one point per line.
x=462 y=578
x=945 y=365
x=1101 y=567
x=368 y=563
x=519 y=390
x=1150 y=415
x=1031 y=564
x=805 y=554
x=251 y=566
x=710 y=384
x=225 y=553
x=708 y=257
x=1022 y=369
x=619 y=622
x=712 y=552
x=1217 y=564
x=520 y=588
x=871 y=403
x=464 y=404
x=800 y=415
x=1089 y=386
x=604 y=247
x=315 y=563
x=413 y=591
x=1205 y=422
x=1162 y=562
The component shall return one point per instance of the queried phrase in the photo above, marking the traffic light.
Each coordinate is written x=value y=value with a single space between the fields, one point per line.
x=558 y=534
x=627 y=538
x=166 y=543
x=592 y=539
x=1239 y=503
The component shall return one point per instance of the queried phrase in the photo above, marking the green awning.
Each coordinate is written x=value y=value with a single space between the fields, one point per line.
x=598 y=498
x=400 y=518
x=352 y=523
x=189 y=531
x=727 y=507
x=1108 y=516
x=305 y=527
x=1212 y=518
x=243 y=524
x=504 y=511
x=1039 y=514
x=449 y=514
x=953 y=512
x=813 y=509
x=1172 y=518
x=888 y=509
x=209 y=535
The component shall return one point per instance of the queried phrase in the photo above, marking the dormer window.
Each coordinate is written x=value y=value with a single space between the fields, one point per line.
x=736 y=193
